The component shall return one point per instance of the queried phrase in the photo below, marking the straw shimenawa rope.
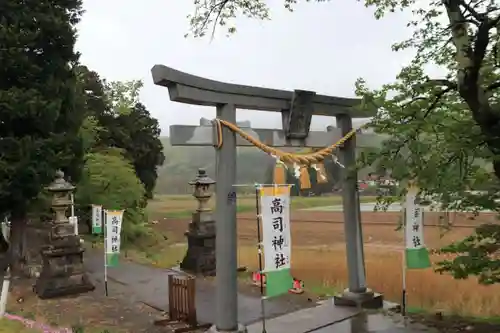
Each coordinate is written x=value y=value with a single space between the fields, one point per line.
x=286 y=157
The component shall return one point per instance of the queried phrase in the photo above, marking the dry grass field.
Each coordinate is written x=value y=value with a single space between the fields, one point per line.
x=318 y=254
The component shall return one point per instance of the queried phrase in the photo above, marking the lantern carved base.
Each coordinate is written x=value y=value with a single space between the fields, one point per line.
x=200 y=255
x=63 y=273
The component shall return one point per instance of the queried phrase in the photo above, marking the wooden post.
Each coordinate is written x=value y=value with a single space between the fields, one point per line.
x=181 y=304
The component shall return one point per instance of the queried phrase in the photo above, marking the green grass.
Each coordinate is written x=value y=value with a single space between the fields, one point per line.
x=245 y=204
x=167 y=256
x=177 y=197
x=320 y=291
x=423 y=312
x=178 y=214
x=182 y=214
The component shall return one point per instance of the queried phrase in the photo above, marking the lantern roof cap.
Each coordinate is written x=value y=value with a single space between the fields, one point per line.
x=60 y=184
x=202 y=179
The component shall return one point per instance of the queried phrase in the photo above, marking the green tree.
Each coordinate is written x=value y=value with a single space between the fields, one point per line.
x=129 y=126
x=39 y=123
x=115 y=118
x=139 y=135
x=123 y=95
x=443 y=131
x=94 y=103
x=109 y=179
x=92 y=86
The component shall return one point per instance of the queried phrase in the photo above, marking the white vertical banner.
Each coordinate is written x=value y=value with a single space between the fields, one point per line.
x=113 y=239
x=417 y=255
x=96 y=219
x=276 y=238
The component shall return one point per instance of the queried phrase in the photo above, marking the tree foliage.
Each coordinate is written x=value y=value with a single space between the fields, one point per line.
x=442 y=131
x=123 y=95
x=116 y=118
x=39 y=122
x=138 y=134
x=117 y=138
x=445 y=131
x=475 y=255
x=58 y=114
x=109 y=179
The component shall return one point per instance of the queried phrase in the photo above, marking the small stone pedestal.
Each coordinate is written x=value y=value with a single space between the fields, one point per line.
x=62 y=271
x=366 y=300
x=200 y=256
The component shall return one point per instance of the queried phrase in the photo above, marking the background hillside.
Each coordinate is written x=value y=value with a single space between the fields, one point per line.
x=182 y=163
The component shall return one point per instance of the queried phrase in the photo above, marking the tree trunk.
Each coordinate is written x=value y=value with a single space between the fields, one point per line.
x=489 y=122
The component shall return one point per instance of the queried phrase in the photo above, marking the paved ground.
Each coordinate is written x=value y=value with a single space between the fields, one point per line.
x=149 y=285
x=327 y=318
x=375 y=323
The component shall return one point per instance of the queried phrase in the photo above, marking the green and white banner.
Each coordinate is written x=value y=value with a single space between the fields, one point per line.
x=113 y=229
x=96 y=219
x=275 y=216
x=417 y=255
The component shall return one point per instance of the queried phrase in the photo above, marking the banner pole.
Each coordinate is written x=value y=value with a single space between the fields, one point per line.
x=92 y=231
x=104 y=223
x=403 y=292
x=259 y=245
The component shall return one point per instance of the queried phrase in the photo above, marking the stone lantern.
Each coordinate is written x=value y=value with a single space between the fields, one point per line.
x=62 y=255
x=200 y=255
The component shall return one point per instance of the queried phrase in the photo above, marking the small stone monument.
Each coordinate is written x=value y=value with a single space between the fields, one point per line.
x=62 y=255
x=200 y=255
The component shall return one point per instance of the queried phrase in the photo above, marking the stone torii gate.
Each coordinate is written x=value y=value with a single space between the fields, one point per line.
x=297 y=108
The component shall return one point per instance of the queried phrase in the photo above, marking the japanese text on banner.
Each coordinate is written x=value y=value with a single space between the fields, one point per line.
x=414 y=222
x=96 y=219
x=113 y=230
x=275 y=215
x=417 y=255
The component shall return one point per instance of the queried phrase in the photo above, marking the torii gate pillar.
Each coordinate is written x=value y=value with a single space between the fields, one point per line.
x=357 y=294
x=226 y=247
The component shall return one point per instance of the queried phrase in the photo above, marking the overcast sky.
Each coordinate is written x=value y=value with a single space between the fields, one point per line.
x=322 y=47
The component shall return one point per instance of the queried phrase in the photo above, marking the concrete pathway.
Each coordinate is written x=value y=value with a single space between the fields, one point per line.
x=149 y=285
x=327 y=318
